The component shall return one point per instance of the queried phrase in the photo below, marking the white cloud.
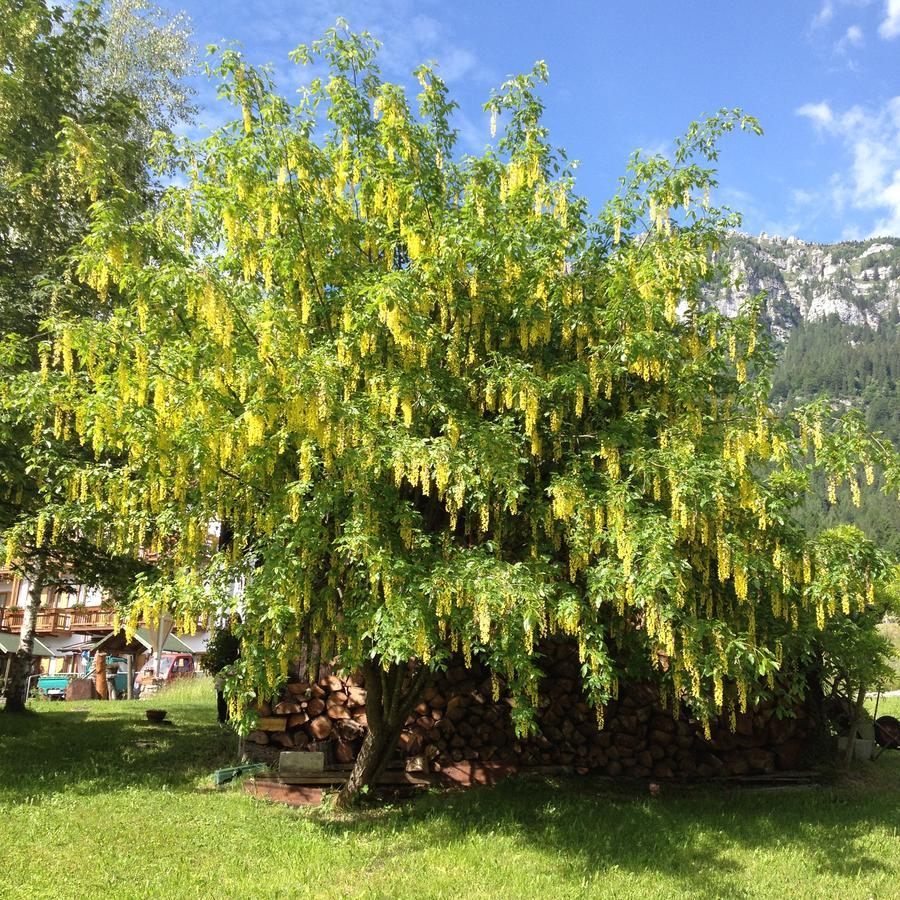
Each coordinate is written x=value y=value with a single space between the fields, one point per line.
x=755 y=216
x=824 y=15
x=818 y=113
x=831 y=11
x=853 y=37
x=411 y=32
x=801 y=197
x=656 y=148
x=871 y=138
x=409 y=36
x=890 y=25
x=457 y=63
x=832 y=8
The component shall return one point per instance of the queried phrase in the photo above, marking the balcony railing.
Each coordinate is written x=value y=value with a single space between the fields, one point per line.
x=59 y=621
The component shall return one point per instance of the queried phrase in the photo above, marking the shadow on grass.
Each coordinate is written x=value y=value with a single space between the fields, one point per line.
x=107 y=746
x=699 y=838
x=703 y=841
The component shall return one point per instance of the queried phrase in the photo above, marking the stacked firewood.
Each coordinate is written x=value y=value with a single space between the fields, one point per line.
x=459 y=721
x=327 y=714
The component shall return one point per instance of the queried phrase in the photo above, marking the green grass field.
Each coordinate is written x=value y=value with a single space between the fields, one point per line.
x=96 y=802
x=891 y=630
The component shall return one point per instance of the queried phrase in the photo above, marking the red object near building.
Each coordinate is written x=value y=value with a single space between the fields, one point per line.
x=171 y=666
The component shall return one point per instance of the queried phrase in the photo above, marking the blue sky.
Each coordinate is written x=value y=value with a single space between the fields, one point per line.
x=823 y=76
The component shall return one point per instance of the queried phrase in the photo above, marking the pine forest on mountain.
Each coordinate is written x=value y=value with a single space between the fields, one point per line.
x=832 y=311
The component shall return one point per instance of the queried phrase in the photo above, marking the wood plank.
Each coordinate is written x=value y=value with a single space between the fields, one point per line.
x=271 y=723
x=341 y=777
x=288 y=779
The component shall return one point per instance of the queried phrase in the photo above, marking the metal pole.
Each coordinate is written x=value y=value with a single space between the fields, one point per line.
x=6 y=673
x=130 y=676
x=159 y=643
x=28 y=686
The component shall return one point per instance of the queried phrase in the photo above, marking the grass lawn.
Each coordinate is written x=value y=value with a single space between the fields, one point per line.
x=94 y=802
x=891 y=630
x=887 y=706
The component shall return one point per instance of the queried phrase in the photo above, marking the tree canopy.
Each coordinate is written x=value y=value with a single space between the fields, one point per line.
x=66 y=80
x=436 y=406
x=64 y=92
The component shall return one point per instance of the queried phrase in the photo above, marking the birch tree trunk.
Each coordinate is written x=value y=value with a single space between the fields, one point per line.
x=24 y=659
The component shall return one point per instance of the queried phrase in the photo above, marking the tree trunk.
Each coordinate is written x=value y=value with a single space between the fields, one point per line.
x=855 y=718
x=821 y=743
x=23 y=660
x=390 y=697
x=100 y=676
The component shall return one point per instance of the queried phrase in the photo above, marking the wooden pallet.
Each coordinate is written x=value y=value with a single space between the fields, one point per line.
x=467 y=775
x=389 y=777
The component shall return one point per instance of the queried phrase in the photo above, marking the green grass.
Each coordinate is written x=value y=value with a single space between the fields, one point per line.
x=891 y=630
x=94 y=801
x=887 y=706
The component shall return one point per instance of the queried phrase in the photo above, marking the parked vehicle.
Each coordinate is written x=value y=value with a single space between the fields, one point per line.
x=54 y=686
x=171 y=666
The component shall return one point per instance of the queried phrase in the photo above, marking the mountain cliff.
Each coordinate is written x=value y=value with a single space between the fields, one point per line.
x=855 y=282
x=832 y=310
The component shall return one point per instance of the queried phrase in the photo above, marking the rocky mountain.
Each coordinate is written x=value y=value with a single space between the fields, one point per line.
x=854 y=282
x=833 y=311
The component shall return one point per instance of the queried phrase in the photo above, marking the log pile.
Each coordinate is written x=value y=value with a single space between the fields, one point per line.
x=458 y=721
x=329 y=715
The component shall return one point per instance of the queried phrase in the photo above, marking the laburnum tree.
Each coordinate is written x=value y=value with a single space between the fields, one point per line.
x=437 y=407
x=94 y=75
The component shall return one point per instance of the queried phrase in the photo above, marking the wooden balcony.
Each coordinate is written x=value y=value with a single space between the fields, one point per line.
x=59 y=621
